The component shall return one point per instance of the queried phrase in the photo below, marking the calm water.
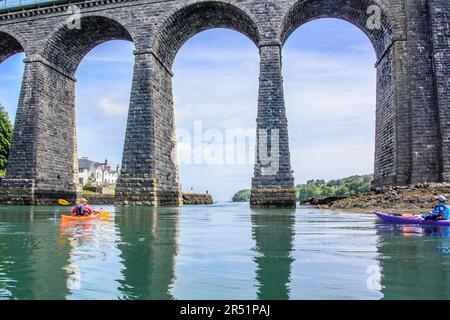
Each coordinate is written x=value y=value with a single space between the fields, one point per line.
x=225 y=251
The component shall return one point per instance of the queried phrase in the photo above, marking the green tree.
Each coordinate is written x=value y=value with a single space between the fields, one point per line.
x=332 y=183
x=6 y=131
x=307 y=191
x=242 y=196
x=326 y=191
x=339 y=187
x=342 y=191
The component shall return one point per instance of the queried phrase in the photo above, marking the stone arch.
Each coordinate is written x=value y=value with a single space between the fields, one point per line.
x=49 y=100
x=354 y=12
x=66 y=47
x=192 y=19
x=151 y=177
x=392 y=143
x=9 y=46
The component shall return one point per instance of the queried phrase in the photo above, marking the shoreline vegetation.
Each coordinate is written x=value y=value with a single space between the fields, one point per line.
x=6 y=131
x=318 y=189
x=355 y=194
x=417 y=198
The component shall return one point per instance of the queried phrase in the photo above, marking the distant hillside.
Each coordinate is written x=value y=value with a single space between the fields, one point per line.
x=320 y=188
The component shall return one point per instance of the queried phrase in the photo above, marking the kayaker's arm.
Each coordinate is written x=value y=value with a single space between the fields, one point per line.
x=88 y=209
x=433 y=215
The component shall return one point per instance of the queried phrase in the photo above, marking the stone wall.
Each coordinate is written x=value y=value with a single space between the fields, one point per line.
x=17 y=191
x=411 y=41
x=187 y=198
x=99 y=199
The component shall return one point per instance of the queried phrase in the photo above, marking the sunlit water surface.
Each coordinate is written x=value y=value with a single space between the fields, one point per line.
x=223 y=251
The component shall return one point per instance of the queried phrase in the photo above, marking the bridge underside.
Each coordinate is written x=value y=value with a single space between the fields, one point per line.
x=412 y=110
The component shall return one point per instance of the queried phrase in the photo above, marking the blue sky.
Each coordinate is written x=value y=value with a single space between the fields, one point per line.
x=329 y=81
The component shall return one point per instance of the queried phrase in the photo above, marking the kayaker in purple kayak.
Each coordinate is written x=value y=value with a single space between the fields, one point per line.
x=440 y=212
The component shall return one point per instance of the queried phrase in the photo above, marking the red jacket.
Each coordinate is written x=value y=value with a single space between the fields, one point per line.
x=86 y=208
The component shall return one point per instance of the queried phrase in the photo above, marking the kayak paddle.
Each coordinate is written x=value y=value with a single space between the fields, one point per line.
x=103 y=214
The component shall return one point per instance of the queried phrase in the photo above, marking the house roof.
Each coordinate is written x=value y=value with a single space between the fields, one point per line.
x=85 y=163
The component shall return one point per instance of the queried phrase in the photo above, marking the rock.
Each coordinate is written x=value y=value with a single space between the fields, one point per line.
x=197 y=199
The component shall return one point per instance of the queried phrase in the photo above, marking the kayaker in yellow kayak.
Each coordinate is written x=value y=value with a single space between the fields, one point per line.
x=82 y=208
x=440 y=212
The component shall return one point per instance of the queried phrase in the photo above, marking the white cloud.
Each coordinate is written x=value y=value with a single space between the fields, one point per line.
x=330 y=102
x=222 y=96
x=112 y=108
x=331 y=159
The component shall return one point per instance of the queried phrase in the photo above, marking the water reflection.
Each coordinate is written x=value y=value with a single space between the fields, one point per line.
x=273 y=232
x=31 y=261
x=93 y=268
x=414 y=261
x=149 y=245
x=225 y=251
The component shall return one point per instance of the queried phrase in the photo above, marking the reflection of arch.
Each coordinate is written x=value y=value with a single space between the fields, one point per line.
x=66 y=47
x=34 y=268
x=149 y=245
x=274 y=237
x=198 y=17
x=9 y=46
x=355 y=12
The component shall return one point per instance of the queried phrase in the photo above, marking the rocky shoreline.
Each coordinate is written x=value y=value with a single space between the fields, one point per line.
x=396 y=199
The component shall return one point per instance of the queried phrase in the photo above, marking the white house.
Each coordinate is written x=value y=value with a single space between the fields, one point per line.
x=97 y=173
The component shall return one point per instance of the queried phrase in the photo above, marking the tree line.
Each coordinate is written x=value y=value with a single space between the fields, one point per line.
x=320 y=188
x=6 y=131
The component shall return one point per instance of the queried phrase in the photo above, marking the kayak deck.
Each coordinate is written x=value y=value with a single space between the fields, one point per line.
x=65 y=218
x=389 y=217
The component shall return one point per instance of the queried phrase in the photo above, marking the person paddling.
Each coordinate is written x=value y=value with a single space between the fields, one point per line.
x=82 y=208
x=440 y=212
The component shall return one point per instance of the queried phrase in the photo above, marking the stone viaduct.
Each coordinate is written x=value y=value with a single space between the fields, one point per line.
x=411 y=39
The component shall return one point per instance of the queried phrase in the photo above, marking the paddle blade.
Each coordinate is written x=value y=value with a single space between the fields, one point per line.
x=104 y=214
x=63 y=202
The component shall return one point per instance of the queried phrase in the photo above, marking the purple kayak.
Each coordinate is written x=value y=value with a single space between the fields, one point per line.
x=389 y=217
